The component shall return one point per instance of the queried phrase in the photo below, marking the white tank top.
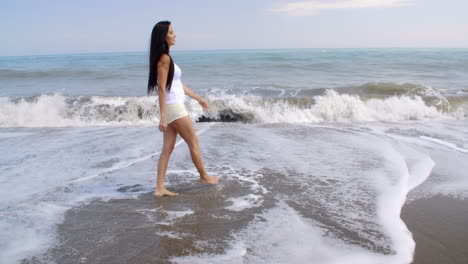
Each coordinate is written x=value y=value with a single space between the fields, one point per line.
x=176 y=94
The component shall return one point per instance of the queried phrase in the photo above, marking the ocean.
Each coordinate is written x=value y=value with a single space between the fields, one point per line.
x=317 y=150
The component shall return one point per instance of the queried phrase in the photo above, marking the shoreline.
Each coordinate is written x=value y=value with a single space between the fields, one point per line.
x=438 y=225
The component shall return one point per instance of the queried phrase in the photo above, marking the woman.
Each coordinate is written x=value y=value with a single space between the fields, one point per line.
x=164 y=76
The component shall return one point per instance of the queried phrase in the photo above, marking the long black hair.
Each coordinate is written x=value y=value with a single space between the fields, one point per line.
x=158 y=47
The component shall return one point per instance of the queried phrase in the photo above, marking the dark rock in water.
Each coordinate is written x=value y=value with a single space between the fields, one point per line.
x=222 y=118
x=226 y=116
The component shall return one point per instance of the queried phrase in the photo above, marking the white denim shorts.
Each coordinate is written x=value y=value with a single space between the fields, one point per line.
x=175 y=111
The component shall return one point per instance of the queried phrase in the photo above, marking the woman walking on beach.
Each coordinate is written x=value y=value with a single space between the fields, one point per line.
x=164 y=77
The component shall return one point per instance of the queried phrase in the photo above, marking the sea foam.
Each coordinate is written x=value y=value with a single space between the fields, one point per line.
x=61 y=111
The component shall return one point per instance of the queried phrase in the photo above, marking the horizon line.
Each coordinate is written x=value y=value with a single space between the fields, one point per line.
x=228 y=49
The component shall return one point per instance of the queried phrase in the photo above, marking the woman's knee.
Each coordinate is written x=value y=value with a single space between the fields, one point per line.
x=194 y=145
x=168 y=149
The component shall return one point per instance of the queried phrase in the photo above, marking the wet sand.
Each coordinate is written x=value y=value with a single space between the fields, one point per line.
x=121 y=231
x=439 y=227
x=136 y=230
x=147 y=229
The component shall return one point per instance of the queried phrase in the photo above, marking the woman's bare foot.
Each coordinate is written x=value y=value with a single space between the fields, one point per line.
x=209 y=180
x=164 y=192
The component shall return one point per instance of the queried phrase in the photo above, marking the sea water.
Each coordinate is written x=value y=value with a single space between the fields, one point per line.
x=317 y=151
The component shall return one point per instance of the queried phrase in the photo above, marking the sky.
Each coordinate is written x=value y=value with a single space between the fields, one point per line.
x=32 y=27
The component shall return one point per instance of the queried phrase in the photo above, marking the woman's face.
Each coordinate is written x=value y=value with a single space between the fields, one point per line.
x=170 y=37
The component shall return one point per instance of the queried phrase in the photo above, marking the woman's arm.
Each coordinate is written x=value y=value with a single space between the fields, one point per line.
x=163 y=69
x=195 y=96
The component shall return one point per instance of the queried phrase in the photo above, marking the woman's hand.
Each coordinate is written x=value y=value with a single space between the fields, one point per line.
x=163 y=125
x=193 y=95
x=204 y=104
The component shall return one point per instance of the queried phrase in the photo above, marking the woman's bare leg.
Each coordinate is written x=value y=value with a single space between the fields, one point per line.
x=170 y=137
x=184 y=128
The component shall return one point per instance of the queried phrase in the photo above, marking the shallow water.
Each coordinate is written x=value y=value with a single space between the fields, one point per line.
x=331 y=193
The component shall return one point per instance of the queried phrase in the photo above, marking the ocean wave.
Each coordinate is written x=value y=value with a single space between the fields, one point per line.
x=6 y=74
x=58 y=110
x=390 y=88
x=331 y=106
x=371 y=90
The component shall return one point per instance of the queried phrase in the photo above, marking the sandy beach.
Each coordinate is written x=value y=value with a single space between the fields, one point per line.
x=116 y=231
x=123 y=231
x=439 y=228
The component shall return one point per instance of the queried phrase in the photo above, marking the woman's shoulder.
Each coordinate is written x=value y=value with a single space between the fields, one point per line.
x=165 y=59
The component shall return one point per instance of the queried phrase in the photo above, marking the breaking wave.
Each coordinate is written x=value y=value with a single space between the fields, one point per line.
x=57 y=110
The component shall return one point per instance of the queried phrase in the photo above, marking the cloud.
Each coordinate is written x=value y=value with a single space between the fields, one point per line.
x=306 y=8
